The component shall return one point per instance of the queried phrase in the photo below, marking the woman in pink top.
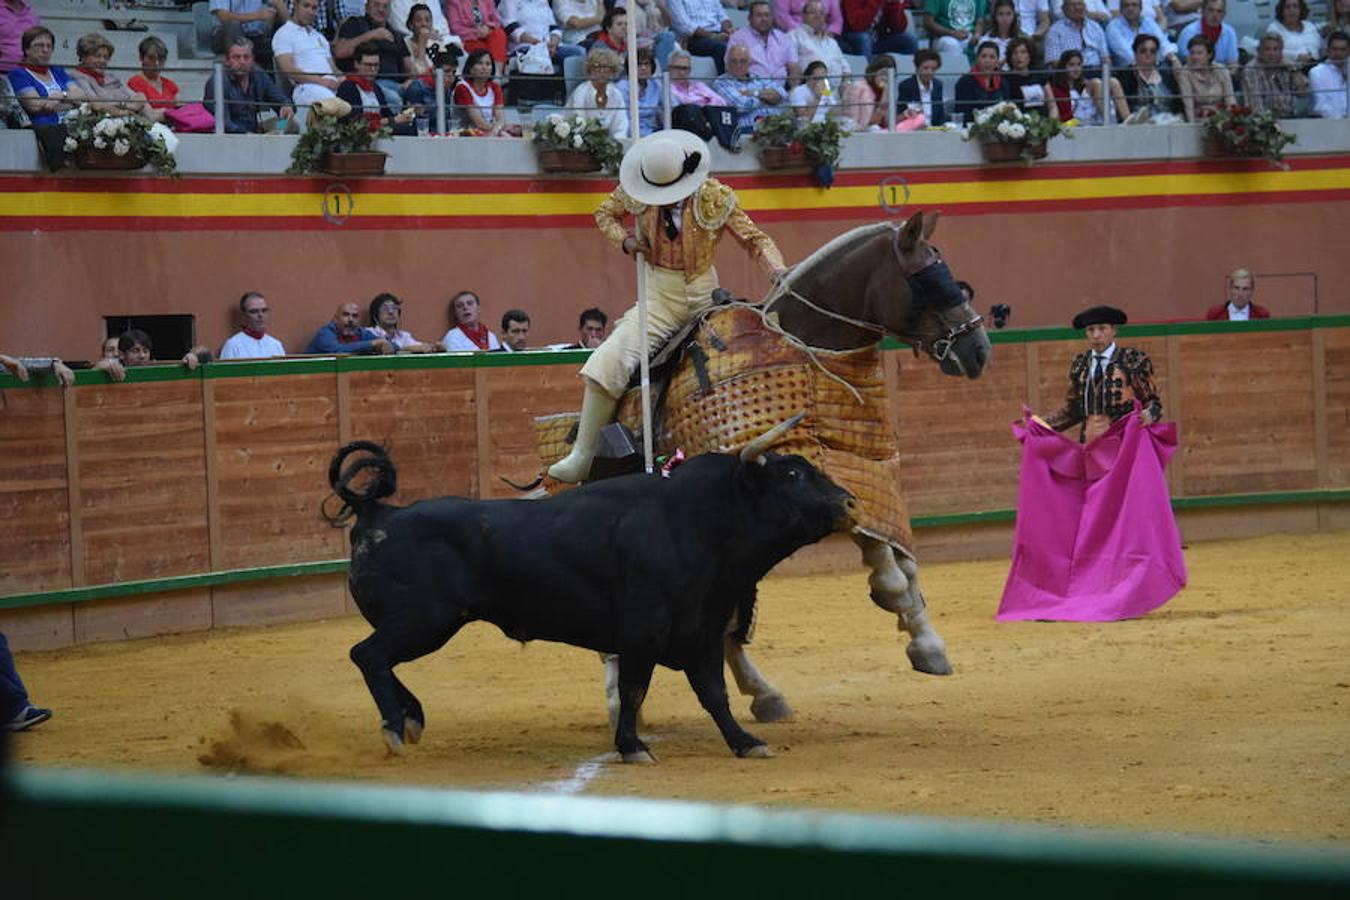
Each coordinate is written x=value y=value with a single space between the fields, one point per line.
x=160 y=91
x=479 y=27
x=683 y=89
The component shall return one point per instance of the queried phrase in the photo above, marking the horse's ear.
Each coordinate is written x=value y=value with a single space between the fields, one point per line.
x=930 y=224
x=912 y=231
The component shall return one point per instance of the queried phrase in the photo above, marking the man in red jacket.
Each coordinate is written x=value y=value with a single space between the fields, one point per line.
x=1239 y=308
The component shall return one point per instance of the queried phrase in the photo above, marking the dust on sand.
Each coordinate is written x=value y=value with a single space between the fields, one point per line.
x=1224 y=712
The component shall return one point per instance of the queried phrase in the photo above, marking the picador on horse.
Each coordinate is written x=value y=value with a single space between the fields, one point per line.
x=728 y=371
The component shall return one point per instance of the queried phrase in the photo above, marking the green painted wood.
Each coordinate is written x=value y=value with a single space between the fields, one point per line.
x=80 y=833
x=330 y=566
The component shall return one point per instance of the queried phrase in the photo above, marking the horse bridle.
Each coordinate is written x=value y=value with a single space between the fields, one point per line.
x=935 y=278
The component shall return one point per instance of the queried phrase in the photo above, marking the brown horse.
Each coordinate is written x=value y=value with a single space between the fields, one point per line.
x=827 y=320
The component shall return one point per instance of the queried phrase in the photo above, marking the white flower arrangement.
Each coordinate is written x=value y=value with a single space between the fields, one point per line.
x=1006 y=123
x=124 y=135
x=577 y=132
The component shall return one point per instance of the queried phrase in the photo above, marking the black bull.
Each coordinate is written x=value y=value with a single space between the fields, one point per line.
x=652 y=569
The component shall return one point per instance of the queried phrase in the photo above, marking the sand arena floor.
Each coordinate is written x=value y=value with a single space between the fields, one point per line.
x=1226 y=712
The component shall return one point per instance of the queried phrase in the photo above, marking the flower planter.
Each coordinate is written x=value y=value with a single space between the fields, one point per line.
x=370 y=162
x=568 y=161
x=87 y=156
x=783 y=158
x=1011 y=151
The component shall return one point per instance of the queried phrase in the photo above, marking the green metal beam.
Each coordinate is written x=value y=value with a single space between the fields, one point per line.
x=78 y=833
x=334 y=566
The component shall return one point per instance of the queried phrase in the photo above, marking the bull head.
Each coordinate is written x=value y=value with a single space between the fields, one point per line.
x=755 y=450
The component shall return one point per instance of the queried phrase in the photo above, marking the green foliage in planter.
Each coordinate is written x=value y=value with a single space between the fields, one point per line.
x=330 y=135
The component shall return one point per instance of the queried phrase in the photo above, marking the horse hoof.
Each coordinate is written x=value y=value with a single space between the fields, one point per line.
x=758 y=751
x=773 y=708
x=412 y=730
x=928 y=660
x=642 y=757
x=393 y=741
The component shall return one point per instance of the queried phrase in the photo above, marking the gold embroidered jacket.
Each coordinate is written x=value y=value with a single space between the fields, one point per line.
x=1129 y=375
x=707 y=214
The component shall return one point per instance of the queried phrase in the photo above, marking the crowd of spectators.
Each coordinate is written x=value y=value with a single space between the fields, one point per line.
x=382 y=55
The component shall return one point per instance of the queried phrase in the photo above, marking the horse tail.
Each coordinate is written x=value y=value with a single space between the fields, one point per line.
x=355 y=501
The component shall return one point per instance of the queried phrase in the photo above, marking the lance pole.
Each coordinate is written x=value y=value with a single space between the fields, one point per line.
x=645 y=364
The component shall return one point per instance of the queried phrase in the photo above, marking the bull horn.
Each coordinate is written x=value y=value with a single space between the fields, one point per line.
x=754 y=450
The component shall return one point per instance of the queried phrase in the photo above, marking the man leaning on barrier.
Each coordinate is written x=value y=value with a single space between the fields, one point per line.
x=248 y=90
x=253 y=341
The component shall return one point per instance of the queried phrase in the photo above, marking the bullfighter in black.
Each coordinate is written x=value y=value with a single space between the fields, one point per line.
x=1105 y=380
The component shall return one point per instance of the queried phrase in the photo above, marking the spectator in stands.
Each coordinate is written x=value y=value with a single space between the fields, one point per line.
x=1327 y=79
x=386 y=318
x=1151 y=91
x=591 y=328
x=420 y=35
x=480 y=28
x=529 y=22
x=773 y=54
x=253 y=341
x=1122 y=31
x=248 y=91
x=983 y=85
x=1096 y=10
x=17 y=713
x=343 y=335
x=46 y=92
x=1077 y=32
x=878 y=26
x=613 y=31
x=814 y=99
x=478 y=99
x=653 y=28
x=1033 y=17
x=394 y=68
x=581 y=20
x=598 y=97
x=1000 y=28
x=1181 y=13
x=1339 y=20
x=1026 y=87
x=109 y=348
x=685 y=90
x=468 y=333
x=752 y=96
x=303 y=55
x=922 y=92
x=1271 y=82
x=22 y=367
x=951 y=23
x=254 y=19
x=815 y=42
x=866 y=99
x=150 y=83
x=789 y=15
x=361 y=89
x=104 y=91
x=401 y=14
x=420 y=91
x=1221 y=35
x=703 y=28
x=515 y=329
x=1204 y=86
x=1072 y=95
x=134 y=349
x=697 y=108
x=649 y=93
x=16 y=17
x=1300 y=38
x=1239 y=307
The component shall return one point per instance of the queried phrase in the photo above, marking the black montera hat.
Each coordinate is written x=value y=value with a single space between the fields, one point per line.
x=1099 y=315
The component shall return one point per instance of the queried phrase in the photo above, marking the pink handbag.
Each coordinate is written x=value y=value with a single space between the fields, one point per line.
x=191 y=118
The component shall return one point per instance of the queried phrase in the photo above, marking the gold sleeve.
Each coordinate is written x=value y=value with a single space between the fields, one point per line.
x=609 y=217
x=758 y=244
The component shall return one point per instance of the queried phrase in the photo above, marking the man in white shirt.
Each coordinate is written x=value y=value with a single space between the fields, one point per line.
x=468 y=332
x=1033 y=17
x=1327 y=79
x=703 y=27
x=303 y=55
x=1122 y=30
x=814 y=41
x=253 y=342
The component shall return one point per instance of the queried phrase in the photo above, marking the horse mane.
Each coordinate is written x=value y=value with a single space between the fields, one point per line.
x=834 y=248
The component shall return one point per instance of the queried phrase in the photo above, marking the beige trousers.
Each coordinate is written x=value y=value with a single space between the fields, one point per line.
x=671 y=303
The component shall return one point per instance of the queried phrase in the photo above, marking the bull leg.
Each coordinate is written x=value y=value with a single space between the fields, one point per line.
x=768 y=705
x=635 y=675
x=895 y=588
x=401 y=715
x=706 y=678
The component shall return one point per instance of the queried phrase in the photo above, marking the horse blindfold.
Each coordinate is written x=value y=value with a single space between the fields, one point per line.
x=934 y=287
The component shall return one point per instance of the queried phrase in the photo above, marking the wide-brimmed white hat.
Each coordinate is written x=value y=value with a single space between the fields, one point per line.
x=664 y=167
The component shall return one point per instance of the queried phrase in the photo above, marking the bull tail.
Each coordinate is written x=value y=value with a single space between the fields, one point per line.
x=382 y=483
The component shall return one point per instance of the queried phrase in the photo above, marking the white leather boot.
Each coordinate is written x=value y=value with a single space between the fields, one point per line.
x=597 y=411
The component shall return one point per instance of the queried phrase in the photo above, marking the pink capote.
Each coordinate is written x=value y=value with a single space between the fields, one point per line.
x=1096 y=540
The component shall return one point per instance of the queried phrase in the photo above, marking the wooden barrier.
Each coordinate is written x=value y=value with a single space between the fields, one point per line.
x=193 y=498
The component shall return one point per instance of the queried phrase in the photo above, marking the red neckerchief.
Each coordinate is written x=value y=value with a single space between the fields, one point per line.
x=348 y=338
x=1211 y=33
x=92 y=73
x=37 y=70
x=988 y=82
x=364 y=84
x=478 y=334
x=256 y=335
x=609 y=42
